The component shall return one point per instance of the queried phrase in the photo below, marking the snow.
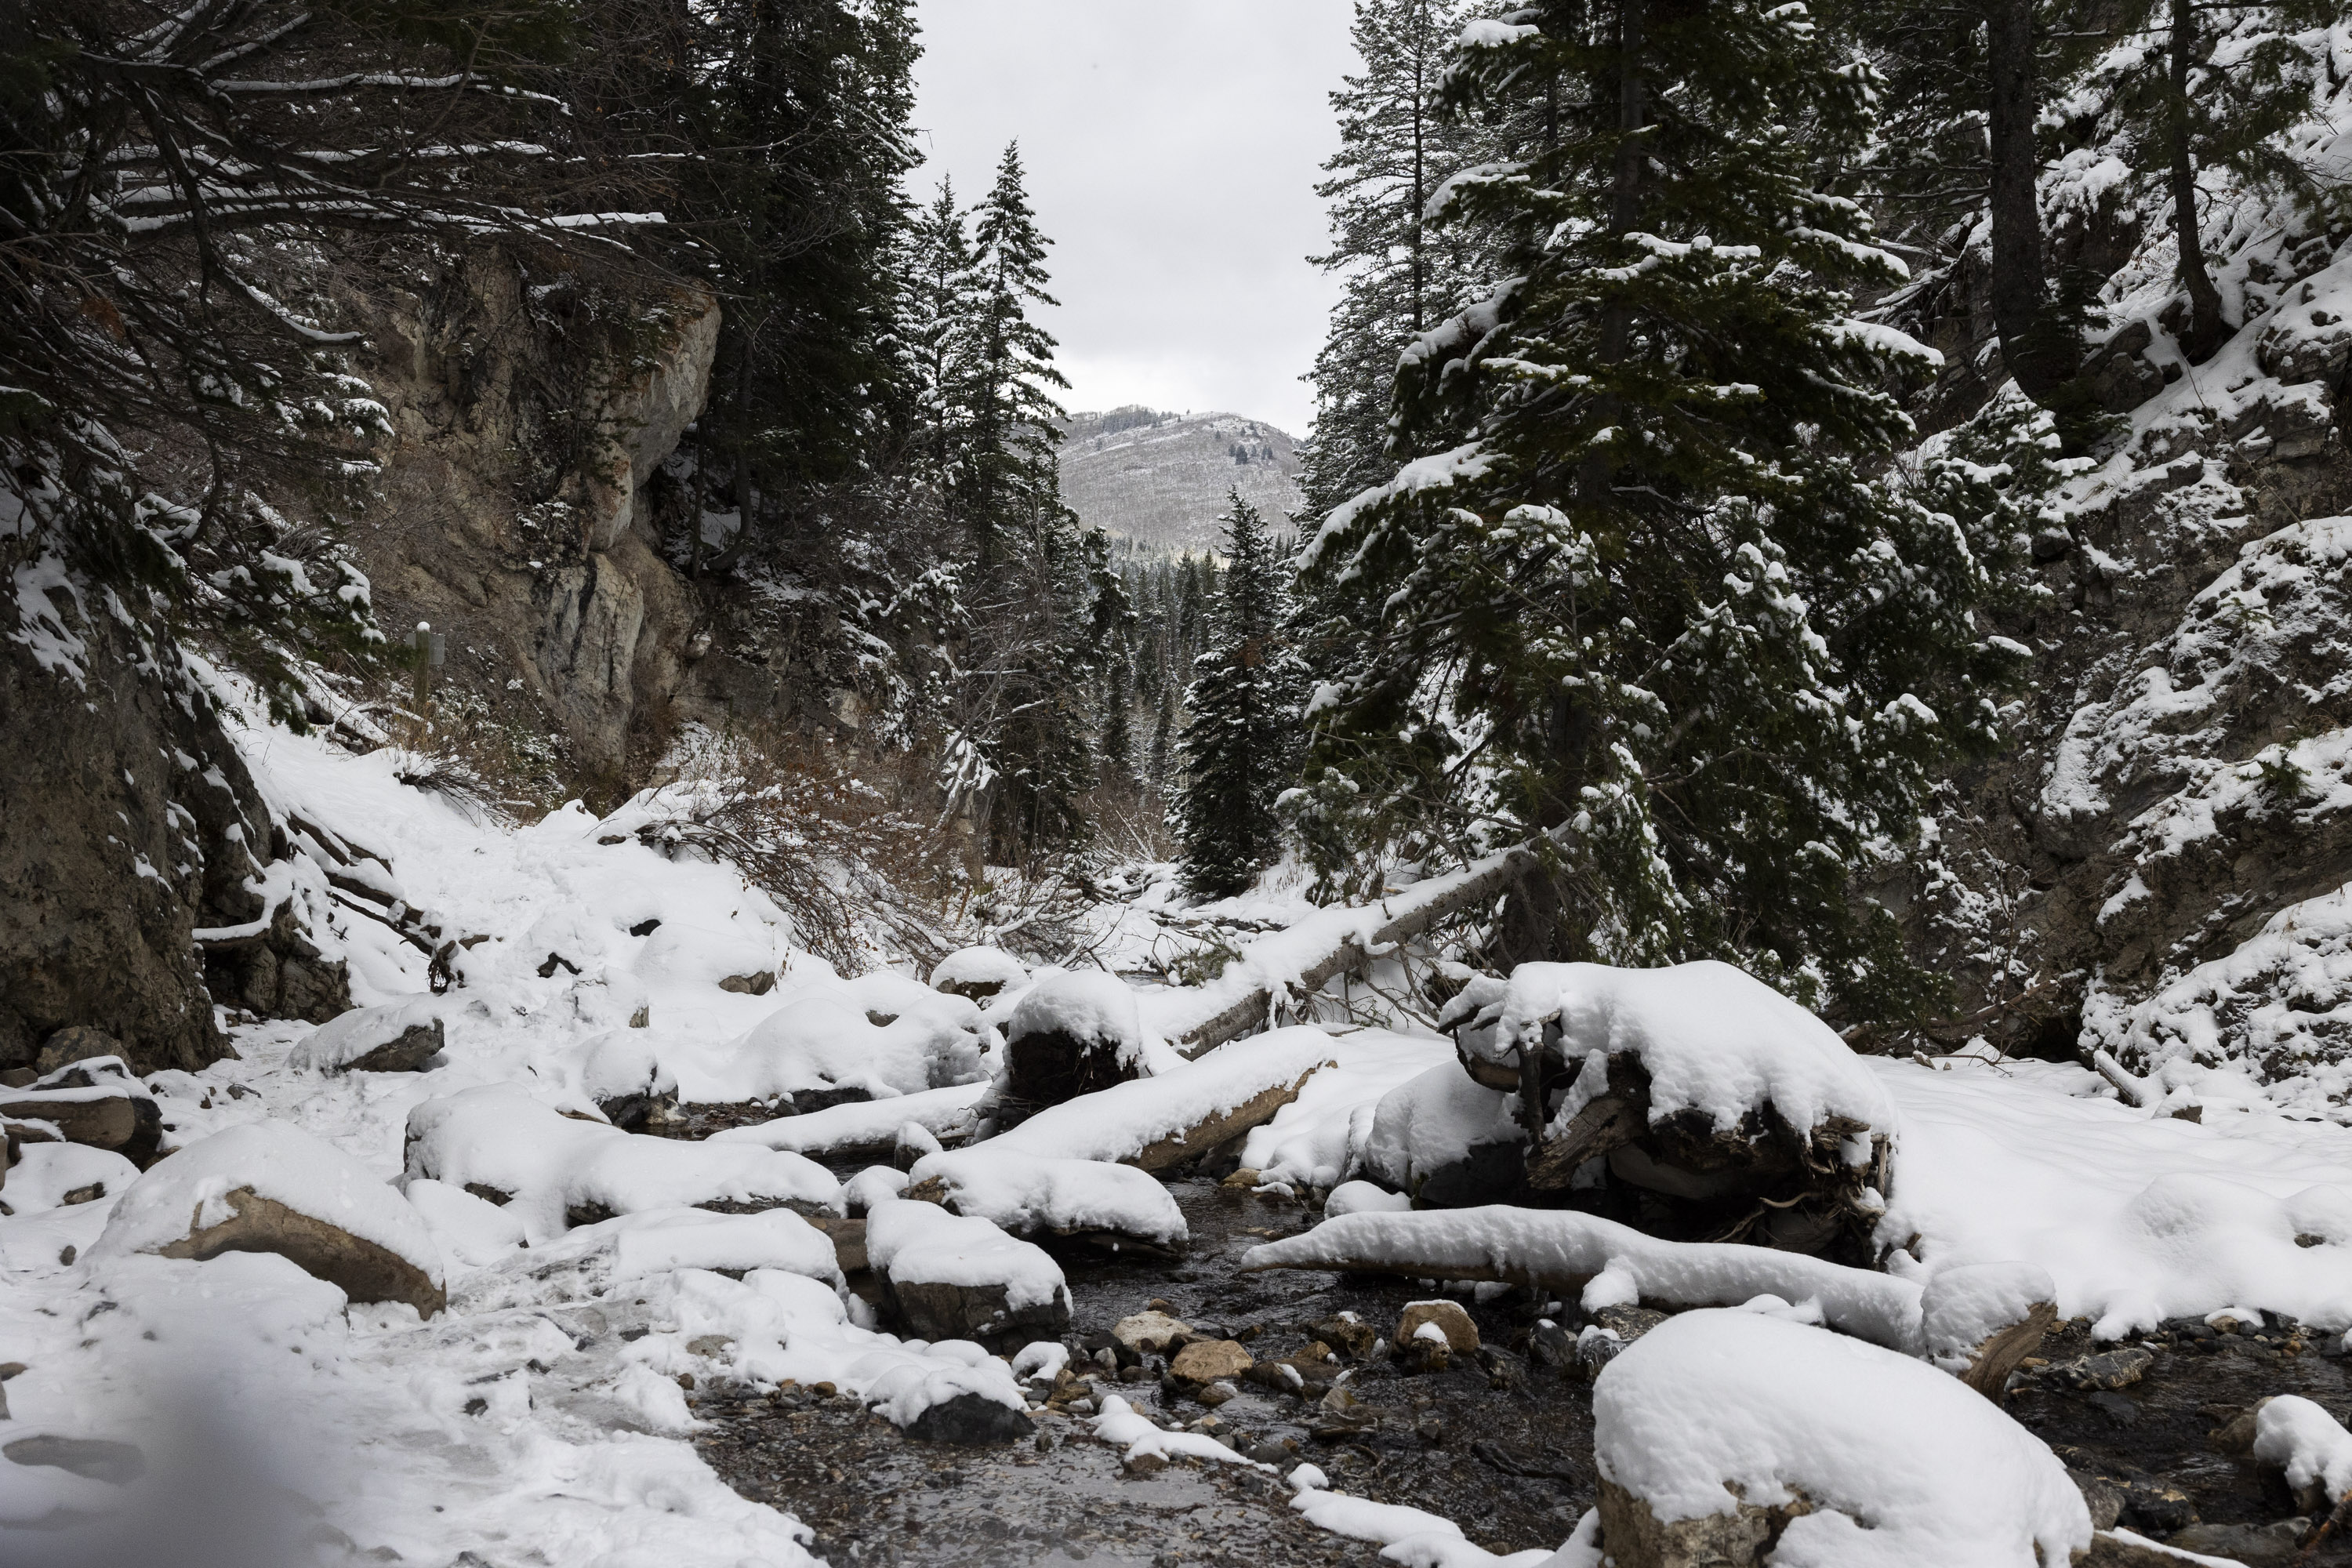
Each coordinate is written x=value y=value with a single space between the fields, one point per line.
x=874 y=1124
x=2135 y=1218
x=44 y=1172
x=1961 y=1305
x=1027 y=1193
x=977 y=966
x=188 y=1192
x=1363 y=1197
x=1433 y=1121
x=1319 y=1139
x=1086 y=1005
x=497 y=1137
x=923 y=1243
x=1901 y=1464
x=876 y=1036
x=1713 y=1039
x=2307 y=1442
x=1621 y=1264
x=1120 y=1122
x=343 y=1040
x=1123 y=1427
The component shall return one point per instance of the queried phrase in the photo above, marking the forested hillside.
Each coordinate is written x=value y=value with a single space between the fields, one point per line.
x=652 y=911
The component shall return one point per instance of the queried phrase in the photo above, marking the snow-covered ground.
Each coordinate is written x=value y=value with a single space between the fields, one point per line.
x=542 y=1415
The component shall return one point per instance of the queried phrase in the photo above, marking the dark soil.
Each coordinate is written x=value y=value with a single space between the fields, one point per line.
x=1496 y=1442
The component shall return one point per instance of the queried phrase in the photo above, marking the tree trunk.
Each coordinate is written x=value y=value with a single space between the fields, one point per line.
x=2038 y=358
x=2206 y=327
x=1624 y=213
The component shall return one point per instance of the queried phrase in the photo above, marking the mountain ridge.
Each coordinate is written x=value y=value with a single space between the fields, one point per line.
x=1160 y=478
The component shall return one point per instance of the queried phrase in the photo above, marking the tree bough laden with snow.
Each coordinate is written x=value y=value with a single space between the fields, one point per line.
x=1657 y=600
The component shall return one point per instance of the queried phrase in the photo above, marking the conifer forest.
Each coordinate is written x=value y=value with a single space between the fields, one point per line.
x=674 y=891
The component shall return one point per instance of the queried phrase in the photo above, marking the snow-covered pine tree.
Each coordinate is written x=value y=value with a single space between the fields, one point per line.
x=1400 y=276
x=1241 y=741
x=939 y=310
x=1016 y=423
x=1657 y=605
x=2196 y=86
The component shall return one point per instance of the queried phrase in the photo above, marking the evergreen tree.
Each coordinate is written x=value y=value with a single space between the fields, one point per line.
x=1656 y=605
x=939 y=309
x=1240 y=743
x=1395 y=144
x=1014 y=419
x=2198 y=86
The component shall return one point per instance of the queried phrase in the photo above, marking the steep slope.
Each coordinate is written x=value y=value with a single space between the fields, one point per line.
x=1160 y=478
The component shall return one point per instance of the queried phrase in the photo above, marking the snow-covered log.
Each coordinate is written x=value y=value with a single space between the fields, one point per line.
x=1297 y=961
x=1695 y=1081
x=557 y=1172
x=1601 y=1262
x=1033 y=1195
x=1156 y=1122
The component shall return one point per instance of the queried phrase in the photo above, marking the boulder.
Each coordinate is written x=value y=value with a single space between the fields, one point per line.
x=1449 y=1319
x=74 y=1043
x=834 y=1042
x=1071 y=1033
x=1148 y=1333
x=268 y=1188
x=971 y=1421
x=95 y=1101
x=949 y=1278
x=400 y=1037
x=1448 y=1141
x=979 y=974
x=1348 y=1333
x=1210 y=1360
x=1029 y=1194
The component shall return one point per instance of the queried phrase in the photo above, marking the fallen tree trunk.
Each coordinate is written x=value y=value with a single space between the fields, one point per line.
x=1563 y=1251
x=1299 y=962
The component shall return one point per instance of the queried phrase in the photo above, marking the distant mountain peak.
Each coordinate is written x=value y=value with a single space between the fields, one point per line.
x=1160 y=477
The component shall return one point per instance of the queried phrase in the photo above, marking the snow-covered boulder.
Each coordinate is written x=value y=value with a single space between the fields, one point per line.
x=866 y=1129
x=951 y=1277
x=270 y=1187
x=1363 y=1197
x=1072 y=1033
x=1718 y=1432
x=1695 y=1081
x=60 y=1175
x=835 y=1041
x=1980 y=1320
x=559 y=1172
x=623 y=1072
x=1031 y=1194
x=1154 y=1123
x=399 y=1037
x=1447 y=1140
x=978 y=973
x=2310 y=1449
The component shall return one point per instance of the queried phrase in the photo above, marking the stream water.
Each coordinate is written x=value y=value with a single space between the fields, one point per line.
x=1501 y=1445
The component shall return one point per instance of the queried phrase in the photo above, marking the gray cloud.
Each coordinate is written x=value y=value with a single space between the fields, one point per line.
x=1172 y=147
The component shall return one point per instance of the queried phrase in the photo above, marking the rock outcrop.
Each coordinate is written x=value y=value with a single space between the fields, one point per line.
x=141 y=877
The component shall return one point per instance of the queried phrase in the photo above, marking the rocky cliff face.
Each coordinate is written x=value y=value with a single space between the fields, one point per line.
x=2153 y=869
x=524 y=498
x=141 y=877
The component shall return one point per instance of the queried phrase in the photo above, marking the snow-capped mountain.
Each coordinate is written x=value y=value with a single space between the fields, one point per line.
x=1162 y=478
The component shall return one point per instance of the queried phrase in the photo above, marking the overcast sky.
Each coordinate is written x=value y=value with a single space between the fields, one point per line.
x=1173 y=148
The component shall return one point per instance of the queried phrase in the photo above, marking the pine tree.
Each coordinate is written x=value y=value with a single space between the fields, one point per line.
x=1401 y=276
x=939 y=310
x=1014 y=419
x=1240 y=743
x=2200 y=86
x=1656 y=605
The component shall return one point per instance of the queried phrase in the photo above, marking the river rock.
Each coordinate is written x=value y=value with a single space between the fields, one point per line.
x=95 y=1102
x=972 y=1421
x=74 y=1043
x=1149 y=1332
x=949 y=1277
x=269 y=1187
x=1451 y=1320
x=400 y=1037
x=1210 y=1360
